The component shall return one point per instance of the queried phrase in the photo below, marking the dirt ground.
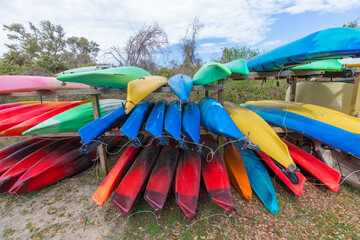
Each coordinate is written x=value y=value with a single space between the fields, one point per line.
x=65 y=211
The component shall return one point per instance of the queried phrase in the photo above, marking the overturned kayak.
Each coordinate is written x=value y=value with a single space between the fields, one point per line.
x=211 y=72
x=138 y=89
x=216 y=119
x=187 y=181
x=191 y=121
x=162 y=175
x=155 y=122
x=215 y=176
x=259 y=178
x=135 y=179
x=172 y=122
x=238 y=66
x=236 y=170
x=16 y=104
x=6 y=151
x=181 y=85
x=74 y=118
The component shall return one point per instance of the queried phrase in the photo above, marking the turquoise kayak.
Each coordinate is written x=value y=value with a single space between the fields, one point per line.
x=259 y=178
x=211 y=72
x=326 y=44
x=181 y=85
x=238 y=66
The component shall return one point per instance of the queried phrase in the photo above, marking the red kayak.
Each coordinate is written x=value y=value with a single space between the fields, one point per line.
x=215 y=176
x=187 y=181
x=17 y=156
x=315 y=167
x=6 y=151
x=16 y=104
x=14 y=173
x=135 y=179
x=10 y=122
x=162 y=175
x=27 y=124
x=295 y=188
x=104 y=191
x=15 y=111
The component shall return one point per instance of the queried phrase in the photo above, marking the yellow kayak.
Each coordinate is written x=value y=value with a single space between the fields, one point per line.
x=322 y=114
x=260 y=133
x=138 y=89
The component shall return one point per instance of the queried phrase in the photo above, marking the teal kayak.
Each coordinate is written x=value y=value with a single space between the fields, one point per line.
x=238 y=66
x=107 y=78
x=259 y=178
x=330 y=65
x=211 y=72
x=74 y=118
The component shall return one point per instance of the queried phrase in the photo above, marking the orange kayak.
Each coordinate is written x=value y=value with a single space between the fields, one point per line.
x=236 y=170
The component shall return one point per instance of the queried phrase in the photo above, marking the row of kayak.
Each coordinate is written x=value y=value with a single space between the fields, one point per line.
x=35 y=163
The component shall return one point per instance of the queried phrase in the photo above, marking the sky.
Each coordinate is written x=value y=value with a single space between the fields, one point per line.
x=262 y=24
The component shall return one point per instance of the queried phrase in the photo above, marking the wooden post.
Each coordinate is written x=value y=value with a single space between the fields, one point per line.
x=293 y=89
x=355 y=98
x=206 y=93
x=101 y=148
x=57 y=98
x=221 y=100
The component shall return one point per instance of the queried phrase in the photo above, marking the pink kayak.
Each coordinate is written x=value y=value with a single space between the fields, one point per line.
x=9 y=84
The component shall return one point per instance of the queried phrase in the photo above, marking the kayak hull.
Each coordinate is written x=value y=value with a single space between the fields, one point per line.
x=211 y=72
x=181 y=85
x=172 y=121
x=134 y=122
x=191 y=121
x=155 y=122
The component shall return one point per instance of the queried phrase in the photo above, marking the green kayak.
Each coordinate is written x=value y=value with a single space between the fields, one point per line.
x=238 y=66
x=211 y=72
x=331 y=65
x=74 y=118
x=84 y=69
x=107 y=78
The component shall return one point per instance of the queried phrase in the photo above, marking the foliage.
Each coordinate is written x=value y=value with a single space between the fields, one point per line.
x=44 y=48
x=353 y=24
x=233 y=53
x=142 y=47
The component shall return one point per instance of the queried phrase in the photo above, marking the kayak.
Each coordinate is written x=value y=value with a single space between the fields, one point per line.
x=84 y=69
x=191 y=121
x=322 y=114
x=330 y=43
x=330 y=177
x=16 y=111
x=181 y=85
x=140 y=88
x=16 y=104
x=296 y=188
x=211 y=72
x=106 y=188
x=134 y=181
x=10 y=84
x=333 y=136
x=162 y=176
x=74 y=118
x=236 y=170
x=94 y=129
x=61 y=163
x=118 y=77
x=214 y=117
x=27 y=124
x=259 y=178
x=215 y=176
x=187 y=181
x=238 y=66
x=155 y=121
x=172 y=121
x=42 y=108
x=260 y=133
x=333 y=95
x=17 y=156
x=8 y=179
x=330 y=65
x=8 y=150
x=132 y=125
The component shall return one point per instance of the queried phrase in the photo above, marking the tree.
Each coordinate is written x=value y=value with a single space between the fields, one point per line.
x=188 y=43
x=80 y=51
x=233 y=53
x=142 y=47
x=353 y=24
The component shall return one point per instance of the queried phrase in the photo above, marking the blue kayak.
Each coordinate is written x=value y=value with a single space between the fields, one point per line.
x=214 y=117
x=191 y=121
x=326 y=44
x=155 y=121
x=172 y=122
x=95 y=128
x=181 y=85
x=132 y=125
x=259 y=178
x=336 y=137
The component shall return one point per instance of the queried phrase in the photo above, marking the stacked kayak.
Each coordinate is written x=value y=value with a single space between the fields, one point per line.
x=211 y=72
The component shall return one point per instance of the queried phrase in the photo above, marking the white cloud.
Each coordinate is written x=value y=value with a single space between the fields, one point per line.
x=108 y=22
x=271 y=43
